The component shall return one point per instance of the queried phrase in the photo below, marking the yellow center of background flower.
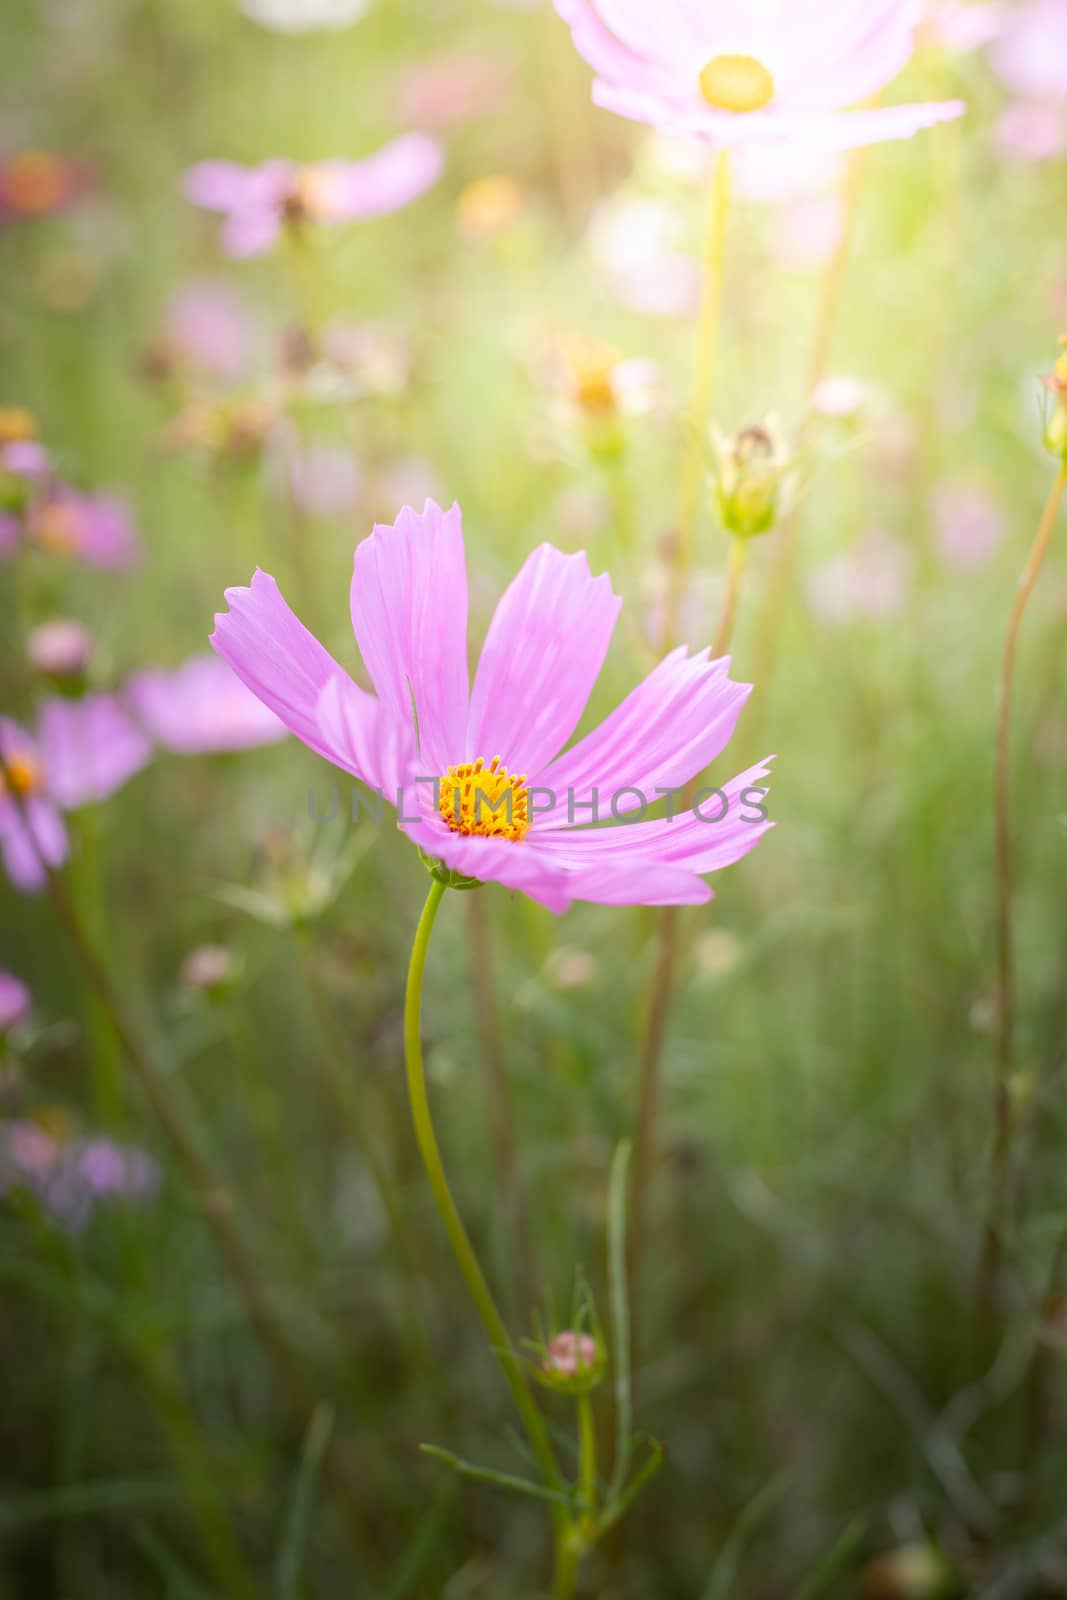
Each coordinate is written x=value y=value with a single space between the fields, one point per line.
x=22 y=775
x=736 y=83
x=485 y=801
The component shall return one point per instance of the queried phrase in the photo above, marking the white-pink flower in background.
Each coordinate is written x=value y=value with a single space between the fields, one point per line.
x=258 y=202
x=766 y=70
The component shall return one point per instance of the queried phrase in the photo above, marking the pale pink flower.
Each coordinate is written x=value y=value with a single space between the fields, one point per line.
x=1031 y=55
x=258 y=202
x=868 y=582
x=200 y=708
x=60 y=648
x=768 y=70
x=1032 y=131
x=970 y=524
x=453 y=89
x=428 y=739
x=206 y=329
x=70 y=1177
x=324 y=478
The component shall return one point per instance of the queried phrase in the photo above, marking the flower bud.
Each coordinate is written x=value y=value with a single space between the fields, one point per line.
x=749 y=471
x=1056 y=419
x=15 y=1003
x=573 y=1363
x=61 y=651
x=914 y=1572
x=209 y=970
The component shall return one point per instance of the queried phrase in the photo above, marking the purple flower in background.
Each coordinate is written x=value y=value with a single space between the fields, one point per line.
x=96 y=529
x=10 y=534
x=457 y=777
x=70 y=1177
x=25 y=458
x=200 y=708
x=970 y=526
x=15 y=1002
x=258 y=201
x=206 y=329
x=84 y=750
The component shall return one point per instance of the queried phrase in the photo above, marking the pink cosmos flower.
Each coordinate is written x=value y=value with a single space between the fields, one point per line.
x=15 y=1002
x=201 y=708
x=258 y=201
x=83 y=751
x=773 y=70
x=450 y=752
x=96 y=529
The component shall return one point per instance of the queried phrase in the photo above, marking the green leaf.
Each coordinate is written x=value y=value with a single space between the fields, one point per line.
x=833 y=1561
x=294 y=1534
x=502 y=1480
x=77 y=1500
x=721 y=1582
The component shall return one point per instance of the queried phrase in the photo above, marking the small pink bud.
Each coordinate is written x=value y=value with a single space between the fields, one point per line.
x=60 y=649
x=570 y=1355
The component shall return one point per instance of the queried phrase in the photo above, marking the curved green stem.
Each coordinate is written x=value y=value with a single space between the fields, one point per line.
x=587 y=1460
x=462 y=1248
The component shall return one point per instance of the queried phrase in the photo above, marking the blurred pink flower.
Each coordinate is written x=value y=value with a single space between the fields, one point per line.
x=258 y=201
x=15 y=1002
x=867 y=582
x=83 y=751
x=206 y=329
x=324 y=478
x=60 y=648
x=96 y=529
x=10 y=534
x=1032 y=131
x=71 y=1176
x=25 y=458
x=765 y=71
x=1030 y=57
x=964 y=25
x=452 y=89
x=200 y=708
x=542 y=656
x=969 y=523
x=636 y=244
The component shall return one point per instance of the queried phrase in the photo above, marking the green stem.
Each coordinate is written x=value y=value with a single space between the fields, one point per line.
x=462 y=1248
x=568 y=1561
x=587 y=1460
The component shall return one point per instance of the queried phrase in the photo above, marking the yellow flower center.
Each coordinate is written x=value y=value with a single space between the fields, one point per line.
x=313 y=195
x=22 y=775
x=487 y=801
x=16 y=425
x=736 y=83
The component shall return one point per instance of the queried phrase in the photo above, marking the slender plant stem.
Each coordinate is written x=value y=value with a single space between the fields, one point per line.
x=728 y=616
x=462 y=1248
x=826 y=317
x=1003 y=1120
x=215 y=1201
x=646 y=1139
x=569 y=1555
x=703 y=388
x=498 y=1097
x=587 y=1459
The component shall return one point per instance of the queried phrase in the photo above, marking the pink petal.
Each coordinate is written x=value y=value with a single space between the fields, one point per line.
x=692 y=839
x=391 y=178
x=543 y=653
x=519 y=866
x=251 y=230
x=670 y=728
x=30 y=841
x=366 y=737
x=89 y=748
x=409 y=612
x=216 y=185
x=603 y=50
x=202 y=706
x=612 y=882
x=287 y=668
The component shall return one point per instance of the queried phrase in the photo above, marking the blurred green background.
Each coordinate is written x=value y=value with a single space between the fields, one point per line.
x=808 y=1319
